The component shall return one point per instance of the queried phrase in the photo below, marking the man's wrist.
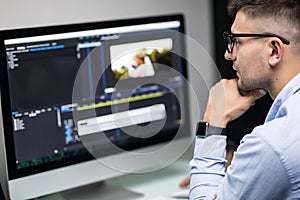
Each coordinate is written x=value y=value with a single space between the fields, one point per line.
x=216 y=120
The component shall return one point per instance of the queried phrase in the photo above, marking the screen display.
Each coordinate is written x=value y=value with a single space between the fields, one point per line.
x=67 y=90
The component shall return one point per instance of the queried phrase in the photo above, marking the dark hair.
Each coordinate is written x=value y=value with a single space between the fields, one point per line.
x=288 y=10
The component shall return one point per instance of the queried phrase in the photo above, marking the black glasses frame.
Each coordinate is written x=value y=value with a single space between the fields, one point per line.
x=230 y=41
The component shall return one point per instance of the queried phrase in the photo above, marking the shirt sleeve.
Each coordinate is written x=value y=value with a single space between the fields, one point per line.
x=256 y=171
x=207 y=166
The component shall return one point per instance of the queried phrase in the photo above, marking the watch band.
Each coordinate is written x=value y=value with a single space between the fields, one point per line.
x=204 y=129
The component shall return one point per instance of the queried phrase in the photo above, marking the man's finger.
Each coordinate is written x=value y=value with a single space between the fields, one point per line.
x=185 y=182
x=255 y=94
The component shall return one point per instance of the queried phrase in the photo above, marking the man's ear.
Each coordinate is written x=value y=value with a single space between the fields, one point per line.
x=276 y=51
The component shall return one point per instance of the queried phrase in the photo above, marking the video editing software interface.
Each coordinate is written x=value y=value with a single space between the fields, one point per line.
x=96 y=74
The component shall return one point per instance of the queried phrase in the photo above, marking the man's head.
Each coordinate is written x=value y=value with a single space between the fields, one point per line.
x=139 y=60
x=140 y=57
x=283 y=16
x=259 y=59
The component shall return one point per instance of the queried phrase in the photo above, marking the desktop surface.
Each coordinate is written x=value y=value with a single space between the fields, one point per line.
x=160 y=184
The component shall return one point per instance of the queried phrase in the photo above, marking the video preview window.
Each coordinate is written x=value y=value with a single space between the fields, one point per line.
x=137 y=59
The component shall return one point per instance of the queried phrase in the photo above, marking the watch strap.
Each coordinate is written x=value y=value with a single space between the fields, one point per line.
x=214 y=130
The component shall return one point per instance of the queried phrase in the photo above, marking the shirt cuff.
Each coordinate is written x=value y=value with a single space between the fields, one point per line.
x=212 y=146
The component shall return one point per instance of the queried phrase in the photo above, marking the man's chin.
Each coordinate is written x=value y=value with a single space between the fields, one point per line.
x=240 y=84
x=242 y=88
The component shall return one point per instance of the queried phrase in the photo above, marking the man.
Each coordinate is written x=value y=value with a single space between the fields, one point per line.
x=142 y=66
x=265 y=50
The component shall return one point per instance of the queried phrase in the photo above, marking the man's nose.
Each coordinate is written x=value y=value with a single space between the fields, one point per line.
x=229 y=56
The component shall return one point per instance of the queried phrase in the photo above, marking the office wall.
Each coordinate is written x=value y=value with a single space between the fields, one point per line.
x=19 y=13
x=199 y=27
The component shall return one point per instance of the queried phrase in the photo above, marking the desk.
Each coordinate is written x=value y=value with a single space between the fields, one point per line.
x=153 y=184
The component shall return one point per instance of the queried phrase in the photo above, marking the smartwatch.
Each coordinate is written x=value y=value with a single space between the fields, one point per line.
x=205 y=130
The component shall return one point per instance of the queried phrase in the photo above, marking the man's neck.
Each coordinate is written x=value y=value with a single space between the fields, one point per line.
x=283 y=75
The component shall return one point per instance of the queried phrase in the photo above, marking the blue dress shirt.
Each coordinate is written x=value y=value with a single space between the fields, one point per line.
x=266 y=164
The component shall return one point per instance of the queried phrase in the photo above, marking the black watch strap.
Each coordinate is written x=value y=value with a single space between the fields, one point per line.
x=204 y=129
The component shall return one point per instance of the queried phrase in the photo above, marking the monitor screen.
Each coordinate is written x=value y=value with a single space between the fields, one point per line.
x=75 y=93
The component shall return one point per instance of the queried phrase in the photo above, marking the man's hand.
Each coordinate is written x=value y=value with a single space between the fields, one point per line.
x=185 y=182
x=227 y=103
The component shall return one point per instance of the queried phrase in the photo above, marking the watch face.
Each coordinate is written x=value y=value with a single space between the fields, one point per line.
x=201 y=128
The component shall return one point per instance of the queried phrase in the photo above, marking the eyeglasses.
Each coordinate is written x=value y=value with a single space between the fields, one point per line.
x=229 y=38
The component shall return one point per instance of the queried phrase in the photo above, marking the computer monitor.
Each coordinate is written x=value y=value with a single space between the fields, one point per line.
x=82 y=103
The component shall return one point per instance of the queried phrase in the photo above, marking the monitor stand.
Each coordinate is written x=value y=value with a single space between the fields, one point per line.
x=101 y=190
x=96 y=191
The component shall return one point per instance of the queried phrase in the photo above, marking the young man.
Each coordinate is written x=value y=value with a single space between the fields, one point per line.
x=142 y=66
x=264 y=47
